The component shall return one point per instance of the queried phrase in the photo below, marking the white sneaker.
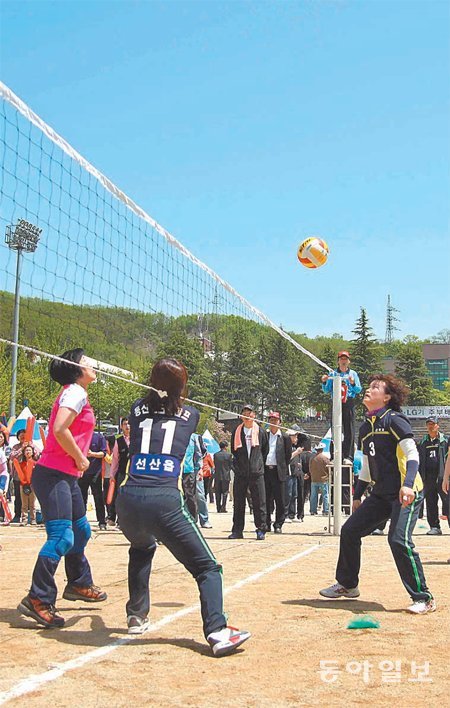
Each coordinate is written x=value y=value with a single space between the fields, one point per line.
x=420 y=607
x=227 y=640
x=288 y=520
x=338 y=590
x=347 y=461
x=137 y=625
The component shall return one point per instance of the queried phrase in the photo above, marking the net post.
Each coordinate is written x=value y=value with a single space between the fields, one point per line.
x=337 y=458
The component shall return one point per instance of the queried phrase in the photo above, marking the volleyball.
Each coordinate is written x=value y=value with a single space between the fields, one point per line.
x=313 y=252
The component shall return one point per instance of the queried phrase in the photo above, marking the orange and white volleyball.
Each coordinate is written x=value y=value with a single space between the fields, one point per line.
x=313 y=252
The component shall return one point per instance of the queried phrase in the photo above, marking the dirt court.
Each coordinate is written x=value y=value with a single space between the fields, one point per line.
x=271 y=589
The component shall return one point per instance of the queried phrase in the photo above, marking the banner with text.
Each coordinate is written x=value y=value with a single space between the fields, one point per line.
x=426 y=411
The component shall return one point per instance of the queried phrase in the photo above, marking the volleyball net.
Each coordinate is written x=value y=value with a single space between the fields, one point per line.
x=93 y=269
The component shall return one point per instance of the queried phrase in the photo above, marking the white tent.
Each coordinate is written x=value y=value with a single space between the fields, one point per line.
x=20 y=423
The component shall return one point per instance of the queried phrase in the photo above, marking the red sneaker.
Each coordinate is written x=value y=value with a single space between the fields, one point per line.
x=90 y=594
x=42 y=613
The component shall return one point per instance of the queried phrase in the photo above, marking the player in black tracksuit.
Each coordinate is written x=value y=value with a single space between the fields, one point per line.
x=390 y=463
x=433 y=451
x=150 y=505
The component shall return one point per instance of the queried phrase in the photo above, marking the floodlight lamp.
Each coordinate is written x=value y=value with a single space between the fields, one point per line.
x=23 y=236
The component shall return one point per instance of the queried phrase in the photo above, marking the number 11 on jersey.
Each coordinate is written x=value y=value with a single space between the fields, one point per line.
x=169 y=432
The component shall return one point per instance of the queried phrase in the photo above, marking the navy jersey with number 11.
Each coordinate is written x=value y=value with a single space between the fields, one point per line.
x=158 y=444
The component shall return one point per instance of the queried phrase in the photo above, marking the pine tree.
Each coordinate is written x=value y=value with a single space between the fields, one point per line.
x=329 y=356
x=264 y=356
x=218 y=364
x=282 y=375
x=241 y=370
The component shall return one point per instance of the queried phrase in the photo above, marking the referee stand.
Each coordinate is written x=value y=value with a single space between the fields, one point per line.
x=346 y=509
x=335 y=474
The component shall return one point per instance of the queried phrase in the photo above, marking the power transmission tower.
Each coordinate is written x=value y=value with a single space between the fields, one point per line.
x=391 y=319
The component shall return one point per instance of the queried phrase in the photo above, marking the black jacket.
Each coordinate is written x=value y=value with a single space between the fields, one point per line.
x=295 y=467
x=305 y=458
x=442 y=451
x=223 y=464
x=123 y=459
x=253 y=465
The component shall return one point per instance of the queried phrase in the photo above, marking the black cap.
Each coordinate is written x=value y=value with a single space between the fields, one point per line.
x=432 y=419
x=247 y=407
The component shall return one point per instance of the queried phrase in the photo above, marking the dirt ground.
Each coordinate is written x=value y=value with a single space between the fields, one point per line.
x=301 y=652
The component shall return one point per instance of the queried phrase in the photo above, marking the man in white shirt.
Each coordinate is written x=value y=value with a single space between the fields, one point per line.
x=276 y=471
x=249 y=449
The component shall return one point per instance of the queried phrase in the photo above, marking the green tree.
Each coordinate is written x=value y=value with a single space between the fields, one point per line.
x=218 y=368
x=411 y=368
x=189 y=350
x=442 y=398
x=329 y=355
x=241 y=370
x=282 y=368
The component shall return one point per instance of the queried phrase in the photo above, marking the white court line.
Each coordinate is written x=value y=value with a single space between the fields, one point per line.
x=34 y=681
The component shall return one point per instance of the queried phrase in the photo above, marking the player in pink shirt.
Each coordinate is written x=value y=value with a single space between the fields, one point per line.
x=55 y=482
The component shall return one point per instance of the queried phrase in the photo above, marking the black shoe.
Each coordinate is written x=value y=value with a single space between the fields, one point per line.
x=43 y=614
x=236 y=535
x=102 y=527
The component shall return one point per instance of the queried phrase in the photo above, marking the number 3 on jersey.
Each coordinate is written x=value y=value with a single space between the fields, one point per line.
x=372 y=448
x=169 y=432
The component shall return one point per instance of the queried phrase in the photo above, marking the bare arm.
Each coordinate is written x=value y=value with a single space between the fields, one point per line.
x=64 y=419
x=296 y=452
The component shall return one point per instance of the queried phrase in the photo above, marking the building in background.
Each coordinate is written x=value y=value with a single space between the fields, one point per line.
x=437 y=361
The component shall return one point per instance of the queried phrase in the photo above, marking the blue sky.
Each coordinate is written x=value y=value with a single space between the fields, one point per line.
x=244 y=127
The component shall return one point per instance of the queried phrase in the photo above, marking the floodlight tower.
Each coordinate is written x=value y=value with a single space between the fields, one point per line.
x=23 y=238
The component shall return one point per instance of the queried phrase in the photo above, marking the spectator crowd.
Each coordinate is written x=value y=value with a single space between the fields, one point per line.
x=273 y=472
